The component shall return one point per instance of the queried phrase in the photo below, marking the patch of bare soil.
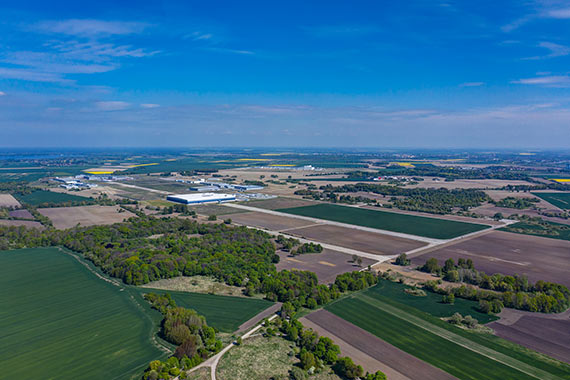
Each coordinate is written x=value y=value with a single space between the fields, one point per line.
x=327 y=264
x=196 y=284
x=356 y=239
x=537 y=257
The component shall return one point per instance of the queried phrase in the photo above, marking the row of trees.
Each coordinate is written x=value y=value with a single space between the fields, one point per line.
x=518 y=203
x=498 y=290
x=307 y=248
x=438 y=201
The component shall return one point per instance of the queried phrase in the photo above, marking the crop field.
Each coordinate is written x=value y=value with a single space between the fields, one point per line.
x=463 y=354
x=548 y=229
x=546 y=333
x=430 y=304
x=40 y=197
x=560 y=200
x=370 y=242
x=68 y=217
x=538 y=258
x=60 y=321
x=7 y=200
x=390 y=221
x=223 y=312
x=17 y=223
x=369 y=351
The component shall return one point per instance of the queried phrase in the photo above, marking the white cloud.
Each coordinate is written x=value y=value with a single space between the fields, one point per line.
x=472 y=84
x=556 y=50
x=32 y=75
x=90 y=27
x=230 y=51
x=561 y=13
x=112 y=105
x=2 y=93
x=150 y=105
x=546 y=81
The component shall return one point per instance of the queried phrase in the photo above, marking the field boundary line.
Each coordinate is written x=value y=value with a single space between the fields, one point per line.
x=459 y=340
x=340 y=224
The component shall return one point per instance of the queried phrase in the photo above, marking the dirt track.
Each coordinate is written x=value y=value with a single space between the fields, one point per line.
x=508 y=253
x=369 y=350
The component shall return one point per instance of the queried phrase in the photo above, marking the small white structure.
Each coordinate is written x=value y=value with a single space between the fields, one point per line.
x=201 y=198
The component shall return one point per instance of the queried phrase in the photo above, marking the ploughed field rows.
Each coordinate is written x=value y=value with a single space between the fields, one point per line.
x=463 y=354
x=542 y=333
x=389 y=221
x=560 y=200
x=68 y=217
x=59 y=320
x=536 y=257
x=370 y=242
x=225 y=313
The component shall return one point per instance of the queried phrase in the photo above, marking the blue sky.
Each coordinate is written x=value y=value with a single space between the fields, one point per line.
x=479 y=74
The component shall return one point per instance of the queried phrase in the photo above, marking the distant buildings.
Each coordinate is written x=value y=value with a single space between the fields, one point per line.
x=70 y=183
x=196 y=198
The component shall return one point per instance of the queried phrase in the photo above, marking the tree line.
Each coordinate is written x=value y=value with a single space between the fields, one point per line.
x=498 y=290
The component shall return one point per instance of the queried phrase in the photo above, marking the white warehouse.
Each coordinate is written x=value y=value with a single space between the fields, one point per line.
x=201 y=198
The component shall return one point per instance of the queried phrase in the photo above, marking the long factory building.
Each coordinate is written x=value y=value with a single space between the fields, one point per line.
x=195 y=198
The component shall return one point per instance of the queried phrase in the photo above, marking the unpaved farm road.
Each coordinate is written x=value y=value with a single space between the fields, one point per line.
x=212 y=363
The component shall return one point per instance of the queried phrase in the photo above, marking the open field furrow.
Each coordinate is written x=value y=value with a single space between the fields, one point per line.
x=459 y=340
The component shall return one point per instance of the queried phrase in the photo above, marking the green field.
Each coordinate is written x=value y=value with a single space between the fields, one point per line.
x=58 y=320
x=560 y=200
x=222 y=312
x=545 y=229
x=390 y=221
x=463 y=354
x=40 y=197
x=431 y=303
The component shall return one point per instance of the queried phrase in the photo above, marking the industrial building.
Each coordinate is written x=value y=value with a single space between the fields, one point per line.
x=196 y=198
